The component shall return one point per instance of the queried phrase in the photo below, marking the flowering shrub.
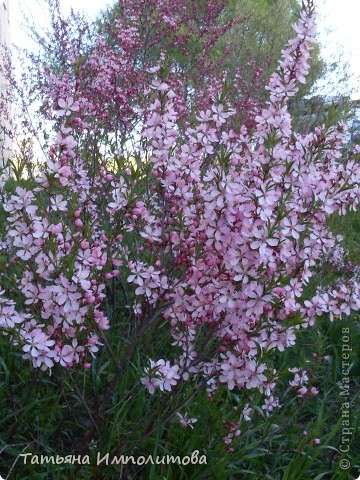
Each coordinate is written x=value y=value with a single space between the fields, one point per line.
x=105 y=72
x=214 y=234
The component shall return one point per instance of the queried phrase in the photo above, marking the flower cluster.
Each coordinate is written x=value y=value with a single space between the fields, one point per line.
x=161 y=375
x=213 y=230
x=246 y=225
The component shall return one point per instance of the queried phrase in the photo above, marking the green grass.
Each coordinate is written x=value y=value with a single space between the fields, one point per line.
x=46 y=415
x=349 y=227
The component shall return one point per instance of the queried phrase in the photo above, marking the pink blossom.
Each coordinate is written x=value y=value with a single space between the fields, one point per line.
x=67 y=107
x=270 y=404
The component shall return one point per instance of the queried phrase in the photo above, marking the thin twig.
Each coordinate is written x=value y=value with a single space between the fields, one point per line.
x=84 y=403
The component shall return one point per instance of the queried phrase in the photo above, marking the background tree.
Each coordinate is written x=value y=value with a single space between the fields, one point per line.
x=261 y=38
x=252 y=36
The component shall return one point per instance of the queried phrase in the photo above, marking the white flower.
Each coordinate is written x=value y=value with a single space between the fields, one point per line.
x=185 y=421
